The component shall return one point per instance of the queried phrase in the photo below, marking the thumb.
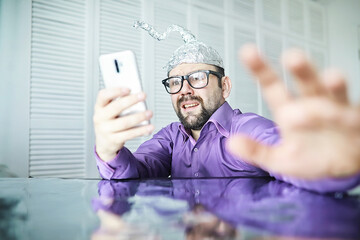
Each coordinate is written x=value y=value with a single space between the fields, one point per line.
x=248 y=149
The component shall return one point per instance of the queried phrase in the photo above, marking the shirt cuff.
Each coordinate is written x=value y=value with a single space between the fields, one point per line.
x=105 y=170
x=118 y=168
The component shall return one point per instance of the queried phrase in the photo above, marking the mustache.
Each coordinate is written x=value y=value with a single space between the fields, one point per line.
x=187 y=98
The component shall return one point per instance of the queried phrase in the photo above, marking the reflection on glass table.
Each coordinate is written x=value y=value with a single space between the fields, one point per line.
x=226 y=208
x=242 y=208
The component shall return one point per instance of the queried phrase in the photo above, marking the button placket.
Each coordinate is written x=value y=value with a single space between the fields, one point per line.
x=196 y=162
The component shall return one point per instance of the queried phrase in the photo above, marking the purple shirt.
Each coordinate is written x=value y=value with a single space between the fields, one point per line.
x=173 y=151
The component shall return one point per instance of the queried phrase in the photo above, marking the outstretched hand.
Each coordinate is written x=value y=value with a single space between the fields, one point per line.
x=320 y=129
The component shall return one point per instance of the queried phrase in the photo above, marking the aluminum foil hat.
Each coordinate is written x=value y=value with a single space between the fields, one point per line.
x=192 y=51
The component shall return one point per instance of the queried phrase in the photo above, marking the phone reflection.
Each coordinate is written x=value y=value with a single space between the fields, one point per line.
x=221 y=209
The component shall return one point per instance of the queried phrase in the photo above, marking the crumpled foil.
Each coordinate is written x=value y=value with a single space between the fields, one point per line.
x=193 y=51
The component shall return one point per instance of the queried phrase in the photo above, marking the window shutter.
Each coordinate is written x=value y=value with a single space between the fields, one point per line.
x=316 y=34
x=244 y=9
x=57 y=89
x=316 y=23
x=271 y=12
x=295 y=17
x=165 y=14
x=290 y=80
x=272 y=48
x=215 y=4
x=318 y=56
x=245 y=92
x=211 y=31
x=117 y=34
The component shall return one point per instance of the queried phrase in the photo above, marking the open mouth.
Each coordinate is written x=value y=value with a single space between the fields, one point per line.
x=186 y=106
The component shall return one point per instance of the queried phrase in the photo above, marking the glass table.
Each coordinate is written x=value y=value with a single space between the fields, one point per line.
x=217 y=208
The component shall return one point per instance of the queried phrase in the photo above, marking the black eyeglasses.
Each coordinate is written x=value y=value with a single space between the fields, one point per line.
x=197 y=80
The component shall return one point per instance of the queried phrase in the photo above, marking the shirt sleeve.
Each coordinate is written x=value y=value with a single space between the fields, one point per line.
x=271 y=136
x=151 y=159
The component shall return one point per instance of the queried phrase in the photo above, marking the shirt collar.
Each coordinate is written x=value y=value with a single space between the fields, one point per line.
x=221 y=118
x=185 y=132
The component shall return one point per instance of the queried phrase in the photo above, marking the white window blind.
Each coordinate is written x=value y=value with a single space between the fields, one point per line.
x=244 y=9
x=117 y=34
x=318 y=57
x=316 y=23
x=57 y=89
x=295 y=17
x=245 y=92
x=211 y=31
x=290 y=80
x=165 y=14
x=272 y=49
x=271 y=12
x=215 y=4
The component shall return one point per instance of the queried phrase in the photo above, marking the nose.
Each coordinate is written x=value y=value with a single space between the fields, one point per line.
x=186 y=89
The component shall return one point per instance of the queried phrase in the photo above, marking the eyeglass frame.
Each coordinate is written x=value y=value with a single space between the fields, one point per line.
x=186 y=77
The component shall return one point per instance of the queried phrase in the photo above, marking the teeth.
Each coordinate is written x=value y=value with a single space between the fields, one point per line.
x=190 y=105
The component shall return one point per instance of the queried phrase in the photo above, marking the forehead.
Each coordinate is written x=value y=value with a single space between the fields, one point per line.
x=186 y=68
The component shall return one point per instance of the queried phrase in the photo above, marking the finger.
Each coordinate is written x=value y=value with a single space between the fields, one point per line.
x=130 y=121
x=106 y=95
x=113 y=109
x=248 y=149
x=305 y=73
x=273 y=89
x=334 y=81
x=133 y=133
x=268 y=158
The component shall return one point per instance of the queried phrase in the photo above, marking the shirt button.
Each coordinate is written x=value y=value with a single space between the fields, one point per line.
x=197 y=193
x=196 y=174
x=195 y=149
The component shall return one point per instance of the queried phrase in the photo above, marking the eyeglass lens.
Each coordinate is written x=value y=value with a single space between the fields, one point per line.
x=196 y=80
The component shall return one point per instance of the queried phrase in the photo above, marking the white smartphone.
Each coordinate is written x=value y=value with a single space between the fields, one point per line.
x=120 y=70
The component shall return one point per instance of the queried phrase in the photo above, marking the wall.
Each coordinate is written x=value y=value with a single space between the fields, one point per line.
x=15 y=20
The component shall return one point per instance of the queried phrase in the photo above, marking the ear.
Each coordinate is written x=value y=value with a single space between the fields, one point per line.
x=226 y=86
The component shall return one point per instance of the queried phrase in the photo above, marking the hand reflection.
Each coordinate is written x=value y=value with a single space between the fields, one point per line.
x=219 y=208
x=112 y=226
x=201 y=224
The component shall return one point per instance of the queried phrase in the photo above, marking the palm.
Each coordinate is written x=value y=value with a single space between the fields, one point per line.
x=317 y=144
x=320 y=130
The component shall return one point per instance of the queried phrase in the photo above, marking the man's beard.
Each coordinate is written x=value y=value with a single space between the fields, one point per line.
x=201 y=118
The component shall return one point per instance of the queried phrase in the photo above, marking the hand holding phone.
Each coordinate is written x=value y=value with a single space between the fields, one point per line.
x=120 y=70
x=120 y=111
